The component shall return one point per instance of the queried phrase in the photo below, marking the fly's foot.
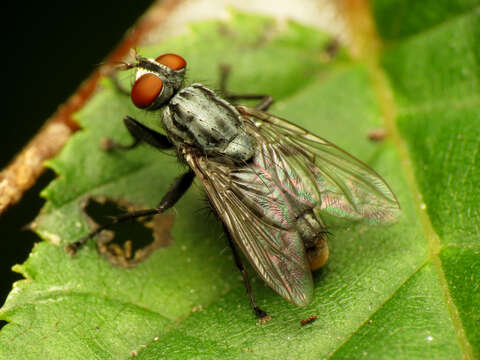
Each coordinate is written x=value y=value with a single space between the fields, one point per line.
x=107 y=144
x=73 y=247
x=262 y=316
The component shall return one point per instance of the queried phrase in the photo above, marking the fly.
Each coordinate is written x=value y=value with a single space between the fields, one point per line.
x=270 y=181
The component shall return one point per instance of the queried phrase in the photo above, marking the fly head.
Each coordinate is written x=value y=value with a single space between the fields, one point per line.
x=156 y=80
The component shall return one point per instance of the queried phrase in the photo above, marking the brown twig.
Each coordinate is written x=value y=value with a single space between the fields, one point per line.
x=24 y=170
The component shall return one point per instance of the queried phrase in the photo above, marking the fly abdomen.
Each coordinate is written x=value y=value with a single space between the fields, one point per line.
x=314 y=236
x=199 y=117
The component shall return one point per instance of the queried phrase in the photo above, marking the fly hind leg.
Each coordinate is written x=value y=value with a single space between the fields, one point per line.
x=265 y=100
x=261 y=315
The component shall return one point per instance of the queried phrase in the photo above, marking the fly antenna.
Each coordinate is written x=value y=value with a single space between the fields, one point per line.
x=125 y=65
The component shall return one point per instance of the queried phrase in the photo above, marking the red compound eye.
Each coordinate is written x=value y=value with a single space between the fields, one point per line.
x=173 y=61
x=145 y=90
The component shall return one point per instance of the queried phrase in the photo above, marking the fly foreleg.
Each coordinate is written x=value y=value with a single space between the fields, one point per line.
x=140 y=133
x=176 y=191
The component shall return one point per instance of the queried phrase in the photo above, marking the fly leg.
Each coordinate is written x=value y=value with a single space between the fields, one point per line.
x=261 y=315
x=140 y=133
x=265 y=100
x=176 y=191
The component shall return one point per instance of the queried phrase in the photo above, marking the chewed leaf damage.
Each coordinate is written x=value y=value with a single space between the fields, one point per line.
x=133 y=242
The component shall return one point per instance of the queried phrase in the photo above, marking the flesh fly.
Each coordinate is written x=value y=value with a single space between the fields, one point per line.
x=269 y=181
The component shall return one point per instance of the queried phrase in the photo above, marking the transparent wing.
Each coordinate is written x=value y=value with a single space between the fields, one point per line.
x=246 y=202
x=344 y=186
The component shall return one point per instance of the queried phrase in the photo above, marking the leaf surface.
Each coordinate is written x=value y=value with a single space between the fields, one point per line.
x=408 y=291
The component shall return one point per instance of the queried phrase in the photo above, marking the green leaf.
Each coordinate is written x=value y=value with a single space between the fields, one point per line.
x=406 y=291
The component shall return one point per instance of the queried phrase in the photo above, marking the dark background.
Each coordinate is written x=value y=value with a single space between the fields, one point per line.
x=48 y=50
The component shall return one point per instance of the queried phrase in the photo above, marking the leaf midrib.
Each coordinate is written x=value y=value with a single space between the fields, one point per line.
x=371 y=57
x=443 y=105
x=381 y=305
x=431 y=29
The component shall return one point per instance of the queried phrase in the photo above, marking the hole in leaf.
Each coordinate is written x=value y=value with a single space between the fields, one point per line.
x=128 y=243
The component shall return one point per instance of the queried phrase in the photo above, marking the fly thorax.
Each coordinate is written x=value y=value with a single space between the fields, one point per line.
x=241 y=147
x=198 y=117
